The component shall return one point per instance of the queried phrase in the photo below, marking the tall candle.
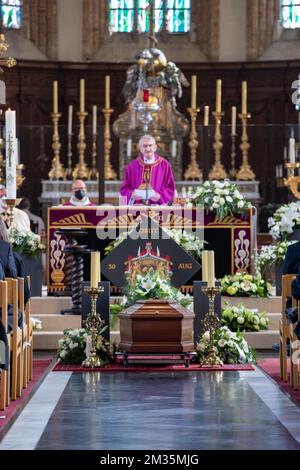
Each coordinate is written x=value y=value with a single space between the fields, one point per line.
x=129 y=144
x=244 y=98
x=95 y=268
x=219 y=96
x=292 y=150
x=82 y=95
x=107 y=91
x=211 y=282
x=194 y=92
x=94 y=119
x=11 y=152
x=70 y=119
x=55 y=97
x=204 y=265
x=206 y=116
x=233 y=120
x=174 y=148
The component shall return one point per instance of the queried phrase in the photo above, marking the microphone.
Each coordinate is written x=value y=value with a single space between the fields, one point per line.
x=147 y=178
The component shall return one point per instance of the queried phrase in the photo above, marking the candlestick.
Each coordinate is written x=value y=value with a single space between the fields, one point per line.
x=204 y=266
x=10 y=139
x=82 y=96
x=219 y=96
x=94 y=119
x=245 y=172
x=194 y=92
x=233 y=120
x=292 y=150
x=55 y=97
x=193 y=172
x=107 y=91
x=244 y=98
x=217 y=172
x=70 y=119
x=174 y=148
x=95 y=268
x=206 y=116
x=109 y=173
x=211 y=281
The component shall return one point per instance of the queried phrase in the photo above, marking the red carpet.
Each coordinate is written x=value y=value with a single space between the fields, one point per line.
x=159 y=368
x=272 y=368
x=11 y=413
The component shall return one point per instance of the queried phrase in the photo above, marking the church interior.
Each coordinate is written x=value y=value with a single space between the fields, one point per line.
x=149 y=226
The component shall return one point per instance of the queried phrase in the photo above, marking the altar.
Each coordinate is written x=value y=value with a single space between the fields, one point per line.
x=232 y=238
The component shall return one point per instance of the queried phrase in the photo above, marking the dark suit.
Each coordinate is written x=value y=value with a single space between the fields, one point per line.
x=292 y=259
x=21 y=273
x=7 y=260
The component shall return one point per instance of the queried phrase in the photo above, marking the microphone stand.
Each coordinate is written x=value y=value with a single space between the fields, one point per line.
x=147 y=174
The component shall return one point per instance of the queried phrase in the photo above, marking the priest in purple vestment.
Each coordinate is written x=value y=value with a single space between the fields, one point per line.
x=148 y=175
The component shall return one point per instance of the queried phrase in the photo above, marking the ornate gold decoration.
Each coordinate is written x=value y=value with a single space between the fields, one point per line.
x=19 y=177
x=81 y=171
x=245 y=172
x=94 y=172
x=227 y=220
x=210 y=323
x=93 y=326
x=218 y=172
x=193 y=171
x=75 y=219
x=232 y=172
x=8 y=62
x=292 y=181
x=69 y=155
x=109 y=173
x=8 y=214
x=57 y=276
x=57 y=171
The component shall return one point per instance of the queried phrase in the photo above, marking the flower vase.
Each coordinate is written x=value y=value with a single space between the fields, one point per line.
x=278 y=276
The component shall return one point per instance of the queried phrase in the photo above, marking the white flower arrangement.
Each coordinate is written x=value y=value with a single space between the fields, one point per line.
x=36 y=324
x=284 y=221
x=222 y=197
x=243 y=284
x=240 y=318
x=269 y=255
x=27 y=243
x=230 y=347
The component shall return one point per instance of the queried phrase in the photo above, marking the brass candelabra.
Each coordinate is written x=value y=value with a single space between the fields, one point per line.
x=193 y=171
x=81 y=170
x=69 y=155
x=232 y=172
x=94 y=171
x=292 y=181
x=109 y=173
x=93 y=326
x=57 y=171
x=210 y=323
x=218 y=172
x=245 y=172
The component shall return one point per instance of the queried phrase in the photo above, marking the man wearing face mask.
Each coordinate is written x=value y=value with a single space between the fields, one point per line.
x=79 y=196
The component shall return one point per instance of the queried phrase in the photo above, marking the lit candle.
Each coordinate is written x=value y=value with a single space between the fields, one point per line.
x=107 y=91
x=94 y=119
x=184 y=192
x=99 y=267
x=55 y=97
x=206 y=116
x=219 y=96
x=194 y=92
x=285 y=154
x=244 y=98
x=174 y=148
x=70 y=119
x=204 y=266
x=292 y=150
x=82 y=96
x=11 y=143
x=129 y=142
x=233 y=120
x=95 y=268
x=211 y=281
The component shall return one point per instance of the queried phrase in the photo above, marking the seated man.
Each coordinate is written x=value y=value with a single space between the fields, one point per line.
x=292 y=259
x=20 y=218
x=79 y=195
x=148 y=178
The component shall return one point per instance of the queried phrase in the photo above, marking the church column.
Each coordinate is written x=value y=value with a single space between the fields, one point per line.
x=207 y=19
x=252 y=28
x=41 y=23
x=262 y=17
x=262 y=25
x=95 y=20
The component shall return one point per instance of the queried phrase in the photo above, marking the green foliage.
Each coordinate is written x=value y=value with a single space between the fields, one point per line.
x=240 y=318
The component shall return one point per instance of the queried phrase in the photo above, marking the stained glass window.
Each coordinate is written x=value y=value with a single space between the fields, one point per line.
x=11 y=13
x=290 y=13
x=128 y=15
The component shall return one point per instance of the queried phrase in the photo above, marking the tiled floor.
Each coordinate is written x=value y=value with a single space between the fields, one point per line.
x=192 y=410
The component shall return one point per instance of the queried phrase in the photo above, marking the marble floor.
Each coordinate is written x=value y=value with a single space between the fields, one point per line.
x=169 y=411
